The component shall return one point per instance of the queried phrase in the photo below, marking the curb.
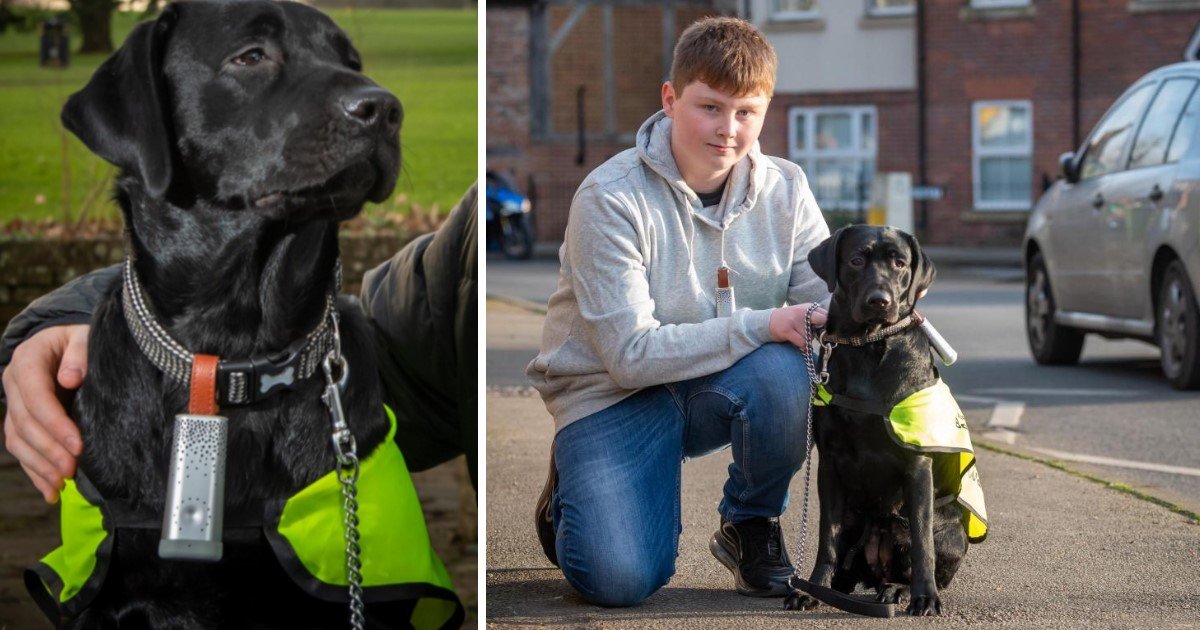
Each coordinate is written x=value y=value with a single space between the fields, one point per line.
x=528 y=305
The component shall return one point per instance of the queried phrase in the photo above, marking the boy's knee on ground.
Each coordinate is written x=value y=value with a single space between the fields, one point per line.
x=778 y=380
x=618 y=580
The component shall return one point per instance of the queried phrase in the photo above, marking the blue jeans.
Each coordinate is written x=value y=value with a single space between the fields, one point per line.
x=616 y=508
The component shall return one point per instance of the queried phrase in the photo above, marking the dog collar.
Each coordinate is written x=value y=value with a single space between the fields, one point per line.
x=236 y=383
x=914 y=319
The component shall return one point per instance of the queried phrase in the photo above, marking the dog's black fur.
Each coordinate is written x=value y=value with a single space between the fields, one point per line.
x=244 y=131
x=879 y=526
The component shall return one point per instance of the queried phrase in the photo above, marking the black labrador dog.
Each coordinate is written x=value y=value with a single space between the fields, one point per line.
x=880 y=526
x=244 y=132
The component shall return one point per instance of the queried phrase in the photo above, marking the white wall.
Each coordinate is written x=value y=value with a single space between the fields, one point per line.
x=842 y=50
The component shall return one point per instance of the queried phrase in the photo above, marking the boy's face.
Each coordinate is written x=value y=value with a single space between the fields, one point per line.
x=711 y=130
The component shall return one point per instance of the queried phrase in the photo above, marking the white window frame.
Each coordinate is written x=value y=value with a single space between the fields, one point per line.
x=978 y=152
x=874 y=11
x=798 y=154
x=794 y=16
x=999 y=4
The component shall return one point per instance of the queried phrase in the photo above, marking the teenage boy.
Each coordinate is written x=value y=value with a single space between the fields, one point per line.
x=643 y=364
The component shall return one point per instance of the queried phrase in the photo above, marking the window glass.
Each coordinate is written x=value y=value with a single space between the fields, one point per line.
x=1002 y=143
x=836 y=148
x=800 y=131
x=990 y=4
x=1003 y=126
x=1005 y=179
x=1108 y=142
x=1185 y=131
x=1150 y=148
x=833 y=131
x=898 y=7
x=795 y=6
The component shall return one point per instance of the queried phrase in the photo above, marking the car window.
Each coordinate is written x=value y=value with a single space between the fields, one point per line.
x=1150 y=148
x=1185 y=131
x=1107 y=144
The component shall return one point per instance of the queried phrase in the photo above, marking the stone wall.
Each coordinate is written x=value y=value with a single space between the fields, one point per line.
x=30 y=268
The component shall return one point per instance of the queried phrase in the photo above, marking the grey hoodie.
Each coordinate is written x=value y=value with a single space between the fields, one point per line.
x=635 y=301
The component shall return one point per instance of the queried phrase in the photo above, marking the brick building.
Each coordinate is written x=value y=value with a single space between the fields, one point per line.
x=1000 y=88
x=568 y=85
x=975 y=97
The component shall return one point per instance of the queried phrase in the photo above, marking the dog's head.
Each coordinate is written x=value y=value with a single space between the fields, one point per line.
x=878 y=272
x=247 y=104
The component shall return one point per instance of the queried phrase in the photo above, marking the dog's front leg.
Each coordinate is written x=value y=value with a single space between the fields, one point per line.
x=918 y=495
x=829 y=538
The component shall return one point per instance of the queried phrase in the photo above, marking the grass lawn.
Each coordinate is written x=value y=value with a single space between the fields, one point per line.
x=425 y=57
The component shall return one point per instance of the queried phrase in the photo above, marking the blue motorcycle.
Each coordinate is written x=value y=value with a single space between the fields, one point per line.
x=509 y=223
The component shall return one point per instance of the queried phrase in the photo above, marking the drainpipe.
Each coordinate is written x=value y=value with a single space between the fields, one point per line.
x=1076 y=56
x=922 y=171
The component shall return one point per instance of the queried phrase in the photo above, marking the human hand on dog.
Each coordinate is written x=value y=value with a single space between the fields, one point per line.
x=787 y=323
x=37 y=430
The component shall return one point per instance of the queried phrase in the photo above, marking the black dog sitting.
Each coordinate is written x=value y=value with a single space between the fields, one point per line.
x=899 y=499
x=245 y=132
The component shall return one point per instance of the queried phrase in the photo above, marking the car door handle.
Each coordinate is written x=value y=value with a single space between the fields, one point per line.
x=1098 y=201
x=1156 y=193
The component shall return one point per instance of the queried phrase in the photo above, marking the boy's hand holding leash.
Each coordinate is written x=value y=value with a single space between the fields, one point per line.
x=787 y=323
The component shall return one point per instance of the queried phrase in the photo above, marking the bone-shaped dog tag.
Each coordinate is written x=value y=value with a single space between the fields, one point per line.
x=726 y=302
x=192 y=520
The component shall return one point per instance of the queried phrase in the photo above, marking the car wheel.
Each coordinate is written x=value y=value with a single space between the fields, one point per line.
x=1050 y=343
x=1178 y=324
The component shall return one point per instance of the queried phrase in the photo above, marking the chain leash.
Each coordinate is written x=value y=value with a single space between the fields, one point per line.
x=346 y=451
x=814 y=380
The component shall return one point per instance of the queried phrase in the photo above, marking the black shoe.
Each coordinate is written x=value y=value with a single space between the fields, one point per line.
x=754 y=552
x=544 y=513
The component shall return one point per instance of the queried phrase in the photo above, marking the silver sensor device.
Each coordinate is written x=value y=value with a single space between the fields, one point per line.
x=195 y=507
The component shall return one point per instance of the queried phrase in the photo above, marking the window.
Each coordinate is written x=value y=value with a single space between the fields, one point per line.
x=1150 y=148
x=997 y=4
x=1105 y=150
x=1002 y=162
x=891 y=7
x=836 y=148
x=1185 y=130
x=793 y=9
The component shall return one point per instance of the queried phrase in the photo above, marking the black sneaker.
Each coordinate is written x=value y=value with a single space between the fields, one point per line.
x=544 y=513
x=754 y=552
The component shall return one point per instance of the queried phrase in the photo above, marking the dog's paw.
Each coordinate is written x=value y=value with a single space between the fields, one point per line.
x=892 y=593
x=925 y=606
x=798 y=600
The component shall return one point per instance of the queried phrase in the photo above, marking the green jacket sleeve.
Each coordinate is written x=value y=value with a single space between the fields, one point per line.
x=423 y=305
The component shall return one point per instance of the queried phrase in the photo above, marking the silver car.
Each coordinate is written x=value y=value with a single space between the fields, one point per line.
x=1113 y=247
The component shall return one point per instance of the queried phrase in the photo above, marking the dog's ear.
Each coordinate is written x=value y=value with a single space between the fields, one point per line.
x=122 y=113
x=923 y=271
x=823 y=259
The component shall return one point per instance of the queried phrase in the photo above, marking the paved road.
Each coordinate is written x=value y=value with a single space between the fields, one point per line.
x=1063 y=552
x=1114 y=405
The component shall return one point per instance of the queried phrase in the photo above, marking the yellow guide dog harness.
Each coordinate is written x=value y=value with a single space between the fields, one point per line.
x=305 y=532
x=930 y=421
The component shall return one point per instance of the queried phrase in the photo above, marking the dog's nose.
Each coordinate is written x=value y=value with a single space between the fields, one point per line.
x=879 y=299
x=374 y=107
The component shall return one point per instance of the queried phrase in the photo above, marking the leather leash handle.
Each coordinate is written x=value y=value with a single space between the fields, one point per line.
x=841 y=601
x=203 y=392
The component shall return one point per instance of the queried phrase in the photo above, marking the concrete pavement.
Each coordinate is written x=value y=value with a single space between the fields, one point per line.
x=1063 y=551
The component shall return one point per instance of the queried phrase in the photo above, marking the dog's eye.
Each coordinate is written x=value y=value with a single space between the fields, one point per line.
x=857 y=261
x=899 y=262
x=251 y=57
x=354 y=64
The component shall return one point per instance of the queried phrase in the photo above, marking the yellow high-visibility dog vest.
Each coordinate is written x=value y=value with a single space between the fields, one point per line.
x=930 y=421
x=307 y=535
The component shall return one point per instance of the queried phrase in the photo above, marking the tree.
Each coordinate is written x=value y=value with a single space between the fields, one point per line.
x=95 y=22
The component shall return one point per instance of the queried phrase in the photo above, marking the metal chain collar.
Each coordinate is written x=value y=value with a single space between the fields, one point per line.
x=174 y=360
x=813 y=382
x=346 y=452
